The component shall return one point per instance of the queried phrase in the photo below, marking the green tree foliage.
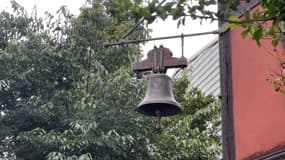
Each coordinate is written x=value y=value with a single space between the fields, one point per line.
x=252 y=23
x=64 y=96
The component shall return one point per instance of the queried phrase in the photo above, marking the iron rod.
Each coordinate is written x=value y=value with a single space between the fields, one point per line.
x=108 y=44
x=133 y=28
x=182 y=44
x=130 y=31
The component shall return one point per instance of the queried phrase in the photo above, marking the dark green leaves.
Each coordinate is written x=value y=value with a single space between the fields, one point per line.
x=275 y=42
x=253 y=21
x=257 y=34
x=65 y=96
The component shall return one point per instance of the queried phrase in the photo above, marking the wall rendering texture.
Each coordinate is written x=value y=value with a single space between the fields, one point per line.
x=258 y=110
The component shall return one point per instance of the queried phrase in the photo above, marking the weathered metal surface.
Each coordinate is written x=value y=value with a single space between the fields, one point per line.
x=159 y=60
x=159 y=97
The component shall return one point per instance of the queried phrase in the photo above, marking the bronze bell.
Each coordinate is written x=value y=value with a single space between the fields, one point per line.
x=159 y=99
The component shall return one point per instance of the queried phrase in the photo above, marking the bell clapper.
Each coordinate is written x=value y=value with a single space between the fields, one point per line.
x=158 y=124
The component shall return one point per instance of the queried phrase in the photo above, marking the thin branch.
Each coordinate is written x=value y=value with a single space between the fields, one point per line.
x=236 y=22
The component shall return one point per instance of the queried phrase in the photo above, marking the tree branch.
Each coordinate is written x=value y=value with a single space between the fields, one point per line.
x=236 y=22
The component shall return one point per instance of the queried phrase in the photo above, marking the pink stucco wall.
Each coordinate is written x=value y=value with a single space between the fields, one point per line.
x=259 y=111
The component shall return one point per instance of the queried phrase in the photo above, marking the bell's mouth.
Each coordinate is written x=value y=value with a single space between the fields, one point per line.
x=165 y=109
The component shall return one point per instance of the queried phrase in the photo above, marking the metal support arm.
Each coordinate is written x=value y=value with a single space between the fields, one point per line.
x=108 y=44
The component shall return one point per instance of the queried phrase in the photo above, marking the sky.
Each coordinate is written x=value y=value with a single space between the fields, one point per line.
x=160 y=28
x=46 y=5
